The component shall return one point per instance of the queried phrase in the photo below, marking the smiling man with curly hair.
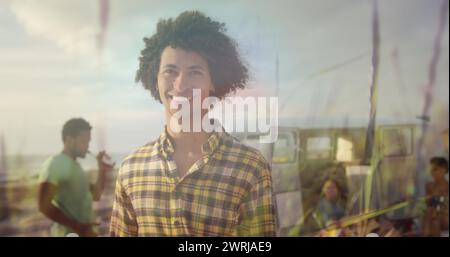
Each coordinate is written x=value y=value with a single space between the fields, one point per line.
x=192 y=183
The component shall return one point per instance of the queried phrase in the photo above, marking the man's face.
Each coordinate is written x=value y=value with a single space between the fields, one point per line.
x=437 y=172
x=79 y=144
x=180 y=72
x=330 y=191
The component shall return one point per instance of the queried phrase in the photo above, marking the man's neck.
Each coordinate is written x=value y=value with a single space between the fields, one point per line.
x=69 y=153
x=189 y=141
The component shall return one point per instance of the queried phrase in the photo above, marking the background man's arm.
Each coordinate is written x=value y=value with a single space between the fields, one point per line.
x=98 y=187
x=47 y=192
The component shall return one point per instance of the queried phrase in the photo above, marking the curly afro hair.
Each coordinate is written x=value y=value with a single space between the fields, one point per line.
x=193 y=31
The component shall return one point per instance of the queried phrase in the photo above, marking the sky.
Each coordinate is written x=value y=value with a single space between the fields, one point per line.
x=51 y=69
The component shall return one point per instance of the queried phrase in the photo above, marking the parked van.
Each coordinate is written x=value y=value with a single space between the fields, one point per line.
x=303 y=157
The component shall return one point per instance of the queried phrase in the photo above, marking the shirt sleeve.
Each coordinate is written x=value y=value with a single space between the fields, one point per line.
x=123 y=219
x=257 y=212
x=53 y=173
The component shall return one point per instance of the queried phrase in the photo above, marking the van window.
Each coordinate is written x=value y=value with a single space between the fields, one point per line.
x=345 y=151
x=318 y=147
x=284 y=148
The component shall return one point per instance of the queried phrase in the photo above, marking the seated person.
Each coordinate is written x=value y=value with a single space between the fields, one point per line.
x=436 y=216
x=330 y=207
x=328 y=210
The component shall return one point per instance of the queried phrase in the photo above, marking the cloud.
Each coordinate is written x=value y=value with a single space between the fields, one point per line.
x=72 y=25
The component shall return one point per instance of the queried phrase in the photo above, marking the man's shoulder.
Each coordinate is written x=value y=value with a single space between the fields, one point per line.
x=142 y=154
x=234 y=149
x=234 y=145
x=55 y=168
x=57 y=161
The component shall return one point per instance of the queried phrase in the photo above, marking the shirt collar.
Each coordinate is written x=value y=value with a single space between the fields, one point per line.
x=214 y=140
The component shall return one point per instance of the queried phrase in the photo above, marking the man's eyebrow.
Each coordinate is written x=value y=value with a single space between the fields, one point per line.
x=173 y=66
x=196 y=67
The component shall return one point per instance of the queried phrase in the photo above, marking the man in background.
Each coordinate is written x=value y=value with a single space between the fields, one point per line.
x=436 y=216
x=65 y=193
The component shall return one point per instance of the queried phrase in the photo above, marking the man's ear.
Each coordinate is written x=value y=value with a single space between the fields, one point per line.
x=68 y=141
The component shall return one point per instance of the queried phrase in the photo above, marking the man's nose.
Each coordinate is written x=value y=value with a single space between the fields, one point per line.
x=181 y=83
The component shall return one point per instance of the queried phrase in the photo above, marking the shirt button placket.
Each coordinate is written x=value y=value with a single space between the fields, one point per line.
x=177 y=223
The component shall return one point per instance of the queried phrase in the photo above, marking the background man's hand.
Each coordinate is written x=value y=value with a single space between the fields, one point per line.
x=87 y=230
x=102 y=165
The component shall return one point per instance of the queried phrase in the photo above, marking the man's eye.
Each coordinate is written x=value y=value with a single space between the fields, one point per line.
x=170 y=72
x=195 y=73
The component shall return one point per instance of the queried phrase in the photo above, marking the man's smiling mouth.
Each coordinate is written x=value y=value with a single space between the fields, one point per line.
x=171 y=96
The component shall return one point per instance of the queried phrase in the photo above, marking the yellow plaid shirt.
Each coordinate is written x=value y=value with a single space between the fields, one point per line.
x=226 y=193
